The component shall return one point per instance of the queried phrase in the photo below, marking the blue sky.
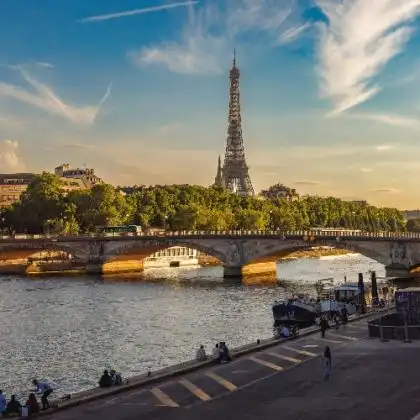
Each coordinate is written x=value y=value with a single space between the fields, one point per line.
x=138 y=89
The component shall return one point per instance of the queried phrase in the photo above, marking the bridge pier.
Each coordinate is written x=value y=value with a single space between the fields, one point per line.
x=230 y=272
x=94 y=268
x=250 y=271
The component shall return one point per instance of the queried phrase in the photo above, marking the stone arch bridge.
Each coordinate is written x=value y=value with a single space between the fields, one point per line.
x=400 y=253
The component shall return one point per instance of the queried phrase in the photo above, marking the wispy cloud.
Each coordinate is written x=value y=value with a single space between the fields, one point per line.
x=210 y=32
x=390 y=119
x=308 y=183
x=10 y=122
x=365 y=170
x=169 y=129
x=385 y=190
x=142 y=11
x=384 y=147
x=293 y=33
x=77 y=146
x=46 y=99
x=44 y=65
x=360 y=38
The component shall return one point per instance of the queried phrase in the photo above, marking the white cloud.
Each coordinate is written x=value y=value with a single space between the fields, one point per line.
x=9 y=158
x=210 y=33
x=365 y=170
x=46 y=99
x=134 y=12
x=359 y=40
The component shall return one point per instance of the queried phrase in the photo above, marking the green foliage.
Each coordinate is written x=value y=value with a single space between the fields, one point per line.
x=45 y=207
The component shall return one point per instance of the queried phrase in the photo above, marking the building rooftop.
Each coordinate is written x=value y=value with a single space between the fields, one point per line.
x=23 y=177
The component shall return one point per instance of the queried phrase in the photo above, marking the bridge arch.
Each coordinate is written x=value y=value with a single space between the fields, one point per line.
x=281 y=249
x=21 y=251
x=139 y=250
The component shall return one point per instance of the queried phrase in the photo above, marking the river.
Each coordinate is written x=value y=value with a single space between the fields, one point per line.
x=67 y=330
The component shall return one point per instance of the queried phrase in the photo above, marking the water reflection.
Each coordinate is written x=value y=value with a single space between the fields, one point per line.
x=67 y=330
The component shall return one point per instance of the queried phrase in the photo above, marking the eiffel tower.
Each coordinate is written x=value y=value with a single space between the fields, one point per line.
x=234 y=175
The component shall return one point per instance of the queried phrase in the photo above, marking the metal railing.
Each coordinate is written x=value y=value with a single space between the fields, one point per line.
x=306 y=235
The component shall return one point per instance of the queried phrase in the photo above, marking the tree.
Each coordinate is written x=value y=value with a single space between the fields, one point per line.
x=43 y=201
x=46 y=207
x=250 y=219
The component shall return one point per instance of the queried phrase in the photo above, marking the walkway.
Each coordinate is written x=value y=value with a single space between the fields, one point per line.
x=369 y=379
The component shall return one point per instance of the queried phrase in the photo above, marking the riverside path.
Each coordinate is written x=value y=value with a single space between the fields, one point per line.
x=369 y=379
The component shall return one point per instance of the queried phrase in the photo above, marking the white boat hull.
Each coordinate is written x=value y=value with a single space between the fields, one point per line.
x=164 y=262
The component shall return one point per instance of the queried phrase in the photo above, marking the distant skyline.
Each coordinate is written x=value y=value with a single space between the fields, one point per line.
x=138 y=89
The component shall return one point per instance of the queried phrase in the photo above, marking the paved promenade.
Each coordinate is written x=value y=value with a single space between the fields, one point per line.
x=369 y=379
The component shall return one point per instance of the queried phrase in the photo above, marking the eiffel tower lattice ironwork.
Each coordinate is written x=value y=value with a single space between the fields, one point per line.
x=234 y=175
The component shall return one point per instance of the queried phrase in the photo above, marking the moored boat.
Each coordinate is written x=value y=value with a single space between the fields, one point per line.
x=294 y=312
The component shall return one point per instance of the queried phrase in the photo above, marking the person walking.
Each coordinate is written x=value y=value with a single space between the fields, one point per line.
x=46 y=390
x=327 y=364
x=324 y=325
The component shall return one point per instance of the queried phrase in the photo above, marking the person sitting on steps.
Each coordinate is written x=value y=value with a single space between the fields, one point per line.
x=201 y=354
x=106 y=380
x=13 y=406
x=115 y=377
x=216 y=354
x=224 y=353
x=33 y=404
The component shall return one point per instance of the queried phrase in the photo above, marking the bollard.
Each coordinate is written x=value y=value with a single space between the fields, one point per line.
x=407 y=340
x=381 y=331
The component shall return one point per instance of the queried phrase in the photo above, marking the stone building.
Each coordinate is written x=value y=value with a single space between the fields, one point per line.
x=280 y=191
x=13 y=185
x=87 y=175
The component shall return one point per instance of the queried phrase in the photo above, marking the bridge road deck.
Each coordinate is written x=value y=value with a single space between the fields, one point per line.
x=369 y=379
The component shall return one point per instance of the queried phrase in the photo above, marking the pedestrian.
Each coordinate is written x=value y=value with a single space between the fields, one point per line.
x=327 y=364
x=2 y=403
x=46 y=390
x=337 y=320
x=324 y=325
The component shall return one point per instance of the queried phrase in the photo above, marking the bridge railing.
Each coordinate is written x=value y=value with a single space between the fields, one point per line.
x=307 y=235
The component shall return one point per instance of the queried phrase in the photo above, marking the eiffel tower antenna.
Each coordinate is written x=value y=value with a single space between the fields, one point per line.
x=235 y=171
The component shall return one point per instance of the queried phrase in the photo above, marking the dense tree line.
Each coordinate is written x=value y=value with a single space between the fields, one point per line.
x=45 y=207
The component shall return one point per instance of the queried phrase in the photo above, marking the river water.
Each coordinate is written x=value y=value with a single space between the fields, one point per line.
x=67 y=330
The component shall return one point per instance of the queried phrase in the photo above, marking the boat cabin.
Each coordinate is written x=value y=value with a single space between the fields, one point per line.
x=347 y=292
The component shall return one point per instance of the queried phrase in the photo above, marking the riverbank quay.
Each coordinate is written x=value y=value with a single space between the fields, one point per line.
x=150 y=391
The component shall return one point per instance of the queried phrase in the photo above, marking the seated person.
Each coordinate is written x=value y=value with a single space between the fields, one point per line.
x=106 y=380
x=33 y=404
x=284 y=332
x=13 y=406
x=224 y=353
x=115 y=377
x=201 y=354
x=216 y=354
